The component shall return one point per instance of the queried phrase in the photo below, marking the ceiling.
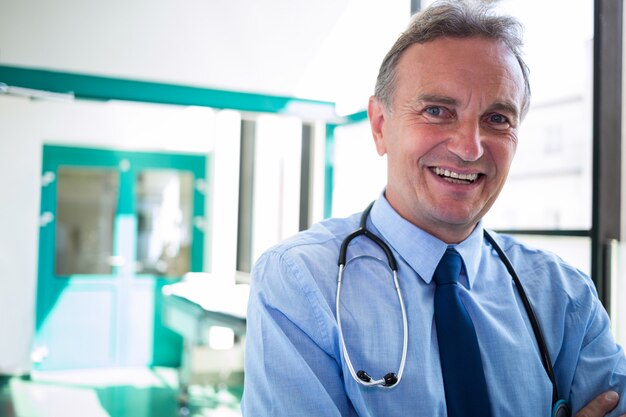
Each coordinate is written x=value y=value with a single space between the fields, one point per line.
x=326 y=50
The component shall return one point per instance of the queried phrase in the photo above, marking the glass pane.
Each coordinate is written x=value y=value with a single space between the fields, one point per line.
x=86 y=206
x=549 y=186
x=360 y=173
x=164 y=202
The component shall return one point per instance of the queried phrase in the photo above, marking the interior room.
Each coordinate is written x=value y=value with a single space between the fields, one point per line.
x=151 y=151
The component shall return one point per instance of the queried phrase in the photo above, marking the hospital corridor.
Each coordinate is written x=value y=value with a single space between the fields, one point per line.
x=152 y=151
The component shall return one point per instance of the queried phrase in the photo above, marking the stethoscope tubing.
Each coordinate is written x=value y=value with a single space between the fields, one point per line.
x=530 y=311
x=405 y=338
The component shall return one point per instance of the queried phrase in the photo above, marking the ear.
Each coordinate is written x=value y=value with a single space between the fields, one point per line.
x=376 y=113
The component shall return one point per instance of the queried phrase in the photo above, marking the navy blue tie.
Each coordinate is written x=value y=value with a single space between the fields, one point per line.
x=462 y=368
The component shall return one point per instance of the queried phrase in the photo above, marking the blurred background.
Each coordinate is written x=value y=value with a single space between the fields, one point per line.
x=150 y=151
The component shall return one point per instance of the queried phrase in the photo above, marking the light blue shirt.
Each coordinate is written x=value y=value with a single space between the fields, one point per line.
x=294 y=364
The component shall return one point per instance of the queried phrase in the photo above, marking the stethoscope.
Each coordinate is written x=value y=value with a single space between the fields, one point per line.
x=559 y=407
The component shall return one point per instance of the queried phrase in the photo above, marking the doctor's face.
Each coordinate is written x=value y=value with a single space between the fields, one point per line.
x=450 y=132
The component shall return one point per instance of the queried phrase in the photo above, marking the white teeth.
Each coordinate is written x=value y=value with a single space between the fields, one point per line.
x=456 y=175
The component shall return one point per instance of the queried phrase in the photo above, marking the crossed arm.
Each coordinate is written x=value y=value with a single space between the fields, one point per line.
x=600 y=406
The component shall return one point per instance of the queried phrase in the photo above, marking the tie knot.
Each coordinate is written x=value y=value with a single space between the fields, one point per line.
x=449 y=268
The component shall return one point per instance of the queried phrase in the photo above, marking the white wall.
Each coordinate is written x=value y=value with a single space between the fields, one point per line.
x=20 y=164
x=224 y=194
x=24 y=127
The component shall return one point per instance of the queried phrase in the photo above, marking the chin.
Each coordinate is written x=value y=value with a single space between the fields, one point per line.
x=455 y=217
x=458 y=222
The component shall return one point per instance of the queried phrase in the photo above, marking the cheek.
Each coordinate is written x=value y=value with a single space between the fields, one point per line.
x=503 y=157
x=406 y=156
x=413 y=144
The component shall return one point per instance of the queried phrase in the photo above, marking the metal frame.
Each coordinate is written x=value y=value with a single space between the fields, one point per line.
x=607 y=137
x=306 y=173
x=416 y=6
x=547 y=232
x=246 y=195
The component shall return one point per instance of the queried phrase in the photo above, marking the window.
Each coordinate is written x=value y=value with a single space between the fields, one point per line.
x=86 y=208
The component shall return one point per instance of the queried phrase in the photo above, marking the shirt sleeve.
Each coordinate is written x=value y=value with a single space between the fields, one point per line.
x=291 y=368
x=601 y=363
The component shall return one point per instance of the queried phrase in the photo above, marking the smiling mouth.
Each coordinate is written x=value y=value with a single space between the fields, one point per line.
x=455 y=177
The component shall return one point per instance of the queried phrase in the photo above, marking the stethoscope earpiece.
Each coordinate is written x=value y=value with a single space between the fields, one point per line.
x=391 y=379
x=364 y=376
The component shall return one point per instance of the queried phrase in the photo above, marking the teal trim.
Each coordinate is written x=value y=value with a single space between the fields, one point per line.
x=45 y=266
x=126 y=201
x=201 y=254
x=108 y=88
x=329 y=168
x=357 y=117
x=55 y=156
x=199 y=210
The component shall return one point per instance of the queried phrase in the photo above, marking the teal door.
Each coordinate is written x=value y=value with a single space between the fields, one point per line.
x=115 y=228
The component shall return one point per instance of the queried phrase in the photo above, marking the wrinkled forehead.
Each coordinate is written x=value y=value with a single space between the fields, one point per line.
x=477 y=63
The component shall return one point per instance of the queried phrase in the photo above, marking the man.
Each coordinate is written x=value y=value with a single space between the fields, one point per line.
x=449 y=100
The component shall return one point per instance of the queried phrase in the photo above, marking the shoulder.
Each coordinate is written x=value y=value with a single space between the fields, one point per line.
x=542 y=270
x=531 y=258
x=298 y=278
x=312 y=253
x=315 y=241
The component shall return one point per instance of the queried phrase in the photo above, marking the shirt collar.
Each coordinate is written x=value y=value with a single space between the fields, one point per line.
x=421 y=250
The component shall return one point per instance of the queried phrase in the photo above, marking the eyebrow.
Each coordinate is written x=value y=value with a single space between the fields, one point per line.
x=434 y=98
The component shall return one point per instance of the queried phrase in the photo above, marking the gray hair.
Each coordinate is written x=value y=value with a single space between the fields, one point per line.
x=453 y=19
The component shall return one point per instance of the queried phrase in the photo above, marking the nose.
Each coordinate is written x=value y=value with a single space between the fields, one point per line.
x=466 y=141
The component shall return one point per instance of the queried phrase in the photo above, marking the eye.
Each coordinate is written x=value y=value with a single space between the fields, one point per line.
x=435 y=114
x=434 y=111
x=498 y=120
